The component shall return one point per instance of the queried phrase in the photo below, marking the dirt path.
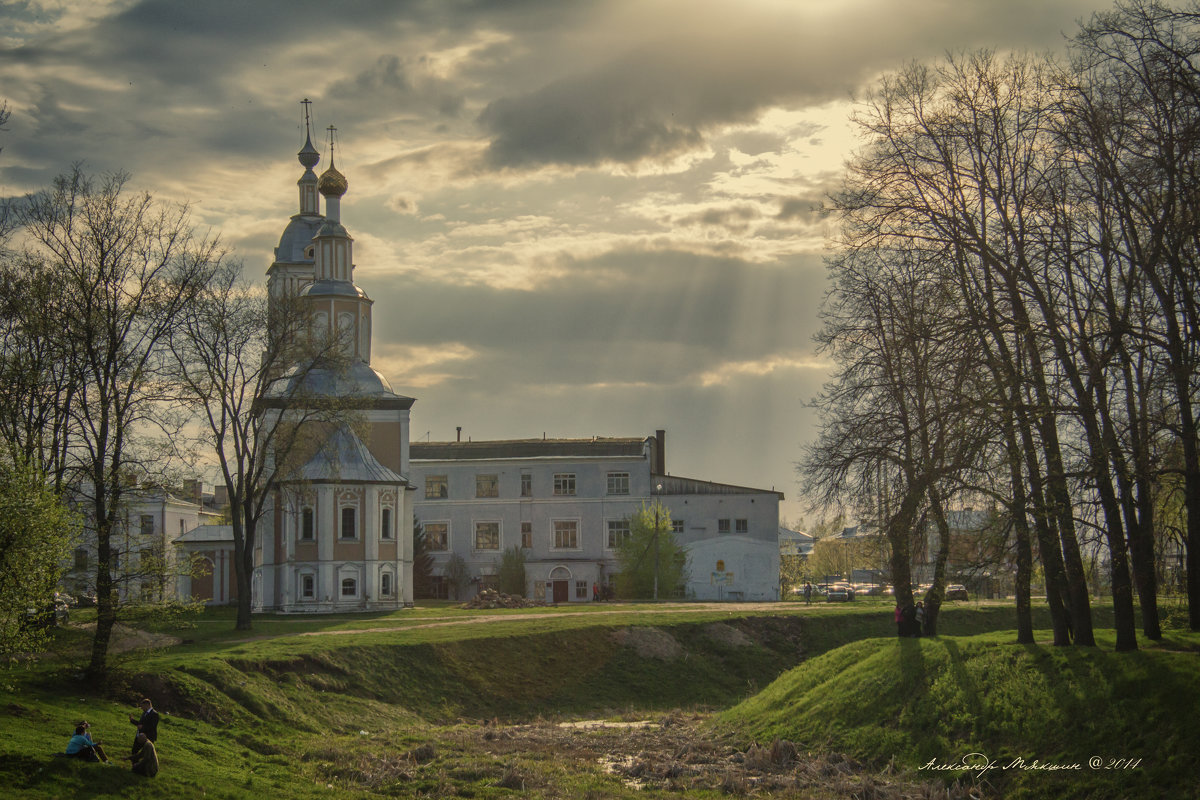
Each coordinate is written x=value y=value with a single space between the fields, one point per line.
x=438 y=622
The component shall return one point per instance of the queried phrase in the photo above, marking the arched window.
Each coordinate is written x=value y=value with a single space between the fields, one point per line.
x=307 y=526
x=349 y=587
x=385 y=584
x=385 y=526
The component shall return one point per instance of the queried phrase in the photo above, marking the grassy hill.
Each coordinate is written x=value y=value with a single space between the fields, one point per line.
x=441 y=702
x=1013 y=719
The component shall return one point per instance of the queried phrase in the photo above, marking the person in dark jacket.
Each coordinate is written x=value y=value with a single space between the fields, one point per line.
x=146 y=723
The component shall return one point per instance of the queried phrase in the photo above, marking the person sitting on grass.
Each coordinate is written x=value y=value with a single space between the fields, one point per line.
x=145 y=757
x=82 y=746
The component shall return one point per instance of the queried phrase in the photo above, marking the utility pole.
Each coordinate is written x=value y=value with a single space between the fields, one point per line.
x=657 y=488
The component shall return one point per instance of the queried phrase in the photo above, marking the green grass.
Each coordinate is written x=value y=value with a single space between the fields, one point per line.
x=332 y=706
x=913 y=701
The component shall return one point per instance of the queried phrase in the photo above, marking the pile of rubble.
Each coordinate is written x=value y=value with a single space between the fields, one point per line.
x=490 y=598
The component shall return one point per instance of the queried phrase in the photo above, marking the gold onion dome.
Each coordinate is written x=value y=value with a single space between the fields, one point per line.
x=332 y=183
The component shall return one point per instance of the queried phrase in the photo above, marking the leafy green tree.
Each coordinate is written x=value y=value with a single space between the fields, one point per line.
x=652 y=563
x=512 y=571
x=35 y=537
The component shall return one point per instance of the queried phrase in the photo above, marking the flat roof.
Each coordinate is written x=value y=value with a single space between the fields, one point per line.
x=595 y=447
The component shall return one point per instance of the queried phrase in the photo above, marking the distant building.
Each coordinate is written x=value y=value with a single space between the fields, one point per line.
x=567 y=502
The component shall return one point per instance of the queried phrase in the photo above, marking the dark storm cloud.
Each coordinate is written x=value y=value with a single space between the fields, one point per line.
x=655 y=101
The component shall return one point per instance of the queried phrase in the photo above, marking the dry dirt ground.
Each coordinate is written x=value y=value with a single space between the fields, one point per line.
x=671 y=753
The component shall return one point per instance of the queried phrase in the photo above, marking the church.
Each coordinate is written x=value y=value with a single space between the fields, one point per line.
x=342 y=521
x=341 y=529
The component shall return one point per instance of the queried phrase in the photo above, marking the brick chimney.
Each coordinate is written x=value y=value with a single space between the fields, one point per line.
x=660 y=452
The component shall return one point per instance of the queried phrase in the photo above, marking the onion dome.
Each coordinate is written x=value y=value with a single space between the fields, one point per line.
x=308 y=156
x=332 y=183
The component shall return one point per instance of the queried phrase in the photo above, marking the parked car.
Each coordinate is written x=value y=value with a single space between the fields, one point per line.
x=867 y=589
x=956 y=591
x=839 y=593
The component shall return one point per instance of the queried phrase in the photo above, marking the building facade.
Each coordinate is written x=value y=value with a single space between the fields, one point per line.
x=339 y=536
x=567 y=503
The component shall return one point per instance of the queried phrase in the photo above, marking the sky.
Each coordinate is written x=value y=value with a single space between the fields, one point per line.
x=575 y=219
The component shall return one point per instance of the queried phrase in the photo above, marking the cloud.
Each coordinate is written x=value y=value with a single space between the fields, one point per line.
x=724 y=374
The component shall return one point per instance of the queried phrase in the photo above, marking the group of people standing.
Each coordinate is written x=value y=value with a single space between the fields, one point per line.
x=910 y=619
x=143 y=757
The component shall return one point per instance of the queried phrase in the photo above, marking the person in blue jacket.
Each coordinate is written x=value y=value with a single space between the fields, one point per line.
x=82 y=746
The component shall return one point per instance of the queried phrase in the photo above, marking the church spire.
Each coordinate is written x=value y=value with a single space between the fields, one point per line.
x=308 y=158
x=333 y=184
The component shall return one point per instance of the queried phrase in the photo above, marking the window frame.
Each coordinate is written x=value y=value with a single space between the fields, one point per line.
x=308 y=524
x=574 y=534
x=565 y=484
x=611 y=528
x=526 y=484
x=741 y=526
x=353 y=593
x=723 y=525
x=487 y=485
x=442 y=484
x=527 y=535
x=475 y=539
x=445 y=536
x=621 y=480
x=353 y=526
x=385 y=523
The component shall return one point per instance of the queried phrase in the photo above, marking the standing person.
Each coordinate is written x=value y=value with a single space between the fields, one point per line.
x=147 y=723
x=145 y=757
x=595 y=592
x=919 y=619
x=807 y=593
x=82 y=746
x=899 y=620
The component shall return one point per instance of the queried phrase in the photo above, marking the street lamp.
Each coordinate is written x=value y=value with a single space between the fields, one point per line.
x=658 y=489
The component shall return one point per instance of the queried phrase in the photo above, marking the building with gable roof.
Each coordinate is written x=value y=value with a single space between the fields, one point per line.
x=341 y=522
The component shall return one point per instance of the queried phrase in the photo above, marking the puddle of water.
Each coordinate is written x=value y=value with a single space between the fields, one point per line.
x=584 y=724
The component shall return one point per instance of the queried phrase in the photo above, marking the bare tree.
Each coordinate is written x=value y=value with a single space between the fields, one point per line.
x=236 y=352
x=126 y=267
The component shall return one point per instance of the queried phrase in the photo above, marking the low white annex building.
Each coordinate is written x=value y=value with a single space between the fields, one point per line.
x=567 y=502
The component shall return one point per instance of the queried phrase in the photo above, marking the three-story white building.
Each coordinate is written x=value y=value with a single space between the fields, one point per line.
x=567 y=502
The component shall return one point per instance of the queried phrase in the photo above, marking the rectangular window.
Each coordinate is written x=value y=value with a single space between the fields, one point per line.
x=581 y=590
x=385 y=584
x=566 y=534
x=437 y=536
x=348 y=520
x=436 y=487
x=308 y=587
x=306 y=524
x=676 y=526
x=618 y=483
x=147 y=524
x=564 y=484
x=487 y=535
x=527 y=534
x=618 y=532
x=722 y=526
x=741 y=526
x=385 y=524
x=487 y=486
x=526 y=485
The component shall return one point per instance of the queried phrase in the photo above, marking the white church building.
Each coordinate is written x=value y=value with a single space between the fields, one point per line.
x=340 y=537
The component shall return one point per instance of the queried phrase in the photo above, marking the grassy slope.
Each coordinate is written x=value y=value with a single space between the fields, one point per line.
x=288 y=715
x=913 y=700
